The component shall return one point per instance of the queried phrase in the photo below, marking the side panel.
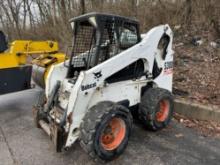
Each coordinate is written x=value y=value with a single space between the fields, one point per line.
x=15 y=79
x=116 y=92
x=8 y=60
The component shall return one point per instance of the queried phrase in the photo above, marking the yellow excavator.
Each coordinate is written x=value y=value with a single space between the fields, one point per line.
x=24 y=60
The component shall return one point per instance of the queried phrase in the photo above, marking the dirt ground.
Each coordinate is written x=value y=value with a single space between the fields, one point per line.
x=205 y=128
x=197 y=68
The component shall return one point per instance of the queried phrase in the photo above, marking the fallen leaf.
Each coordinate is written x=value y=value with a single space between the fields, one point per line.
x=179 y=135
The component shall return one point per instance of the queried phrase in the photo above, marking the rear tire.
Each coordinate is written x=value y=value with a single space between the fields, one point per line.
x=105 y=130
x=156 y=108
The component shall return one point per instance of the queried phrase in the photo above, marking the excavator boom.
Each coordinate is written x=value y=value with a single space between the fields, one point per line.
x=17 y=61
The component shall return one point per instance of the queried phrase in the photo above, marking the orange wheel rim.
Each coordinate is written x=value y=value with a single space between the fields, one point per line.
x=162 y=114
x=113 y=134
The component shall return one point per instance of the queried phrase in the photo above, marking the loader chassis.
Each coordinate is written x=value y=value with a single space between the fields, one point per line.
x=111 y=68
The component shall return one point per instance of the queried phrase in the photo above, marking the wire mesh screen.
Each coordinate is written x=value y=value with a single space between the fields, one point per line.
x=84 y=47
x=108 y=46
x=117 y=37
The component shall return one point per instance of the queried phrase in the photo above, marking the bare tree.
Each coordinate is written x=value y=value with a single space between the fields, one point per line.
x=53 y=13
x=82 y=7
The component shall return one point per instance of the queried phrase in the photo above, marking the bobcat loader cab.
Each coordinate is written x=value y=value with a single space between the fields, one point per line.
x=111 y=69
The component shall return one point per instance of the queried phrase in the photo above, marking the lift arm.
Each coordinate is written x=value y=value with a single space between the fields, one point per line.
x=20 y=50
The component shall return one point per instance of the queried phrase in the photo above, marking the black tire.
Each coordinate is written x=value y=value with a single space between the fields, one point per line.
x=150 y=106
x=95 y=122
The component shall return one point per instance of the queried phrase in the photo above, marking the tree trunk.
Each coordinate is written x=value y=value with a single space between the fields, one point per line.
x=25 y=14
x=188 y=17
x=82 y=7
x=63 y=9
x=54 y=11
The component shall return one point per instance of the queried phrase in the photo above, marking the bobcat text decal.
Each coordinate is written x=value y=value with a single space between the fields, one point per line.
x=88 y=86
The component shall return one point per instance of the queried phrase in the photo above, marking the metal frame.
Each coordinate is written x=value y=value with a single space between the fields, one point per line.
x=94 y=35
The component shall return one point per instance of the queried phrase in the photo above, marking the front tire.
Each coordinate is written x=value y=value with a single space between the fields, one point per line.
x=156 y=108
x=105 y=131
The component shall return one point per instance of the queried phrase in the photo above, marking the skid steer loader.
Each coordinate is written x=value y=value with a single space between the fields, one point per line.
x=112 y=68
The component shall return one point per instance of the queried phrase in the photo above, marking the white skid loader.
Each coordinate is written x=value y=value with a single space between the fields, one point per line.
x=112 y=68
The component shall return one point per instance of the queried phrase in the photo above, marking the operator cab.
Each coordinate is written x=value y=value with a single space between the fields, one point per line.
x=98 y=37
x=3 y=42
